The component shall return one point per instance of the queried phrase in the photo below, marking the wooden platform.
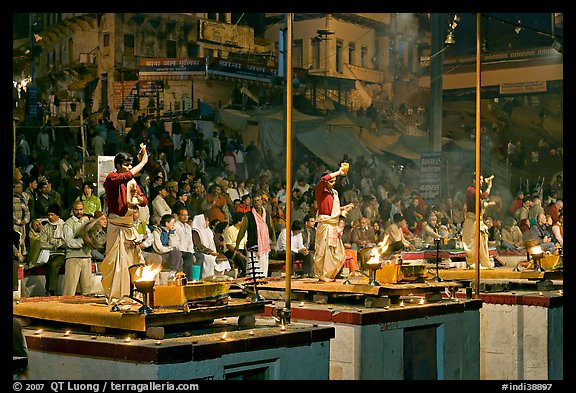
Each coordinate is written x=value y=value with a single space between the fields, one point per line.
x=454 y=254
x=338 y=287
x=502 y=273
x=95 y=314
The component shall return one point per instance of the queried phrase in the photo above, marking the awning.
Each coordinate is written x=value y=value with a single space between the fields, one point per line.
x=80 y=84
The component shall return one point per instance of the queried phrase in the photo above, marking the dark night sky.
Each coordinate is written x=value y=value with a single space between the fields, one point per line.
x=498 y=30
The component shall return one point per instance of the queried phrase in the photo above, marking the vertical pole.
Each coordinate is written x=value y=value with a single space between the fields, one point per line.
x=478 y=87
x=436 y=64
x=14 y=144
x=157 y=100
x=288 y=86
x=83 y=144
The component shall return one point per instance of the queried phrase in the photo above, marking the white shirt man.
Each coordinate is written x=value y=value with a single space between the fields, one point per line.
x=184 y=242
x=296 y=241
x=78 y=259
x=159 y=205
x=299 y=250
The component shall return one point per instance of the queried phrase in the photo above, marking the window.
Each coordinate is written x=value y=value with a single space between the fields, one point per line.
x=363 y=56
x=209 y=52
x=351 y=52
x=339 y=59
x=70 y=51
x=315 y=43
x=171 y=50
x=411 y=63
x=297 y=53
x=129 y=44
x=106 y=40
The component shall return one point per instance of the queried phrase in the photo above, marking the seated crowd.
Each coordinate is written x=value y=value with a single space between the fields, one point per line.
x=206 y=211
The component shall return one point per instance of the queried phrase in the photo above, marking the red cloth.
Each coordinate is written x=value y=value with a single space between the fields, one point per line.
x=324 y=196
x=471 y=198
x=115 y=186
x=552 y=210
x=515 y=205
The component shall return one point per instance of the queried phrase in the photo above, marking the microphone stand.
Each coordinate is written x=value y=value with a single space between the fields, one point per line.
x=437 y=278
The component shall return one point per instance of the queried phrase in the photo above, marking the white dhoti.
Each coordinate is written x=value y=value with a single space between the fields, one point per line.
x=261 y=263
x=330 y=253
x=469 y=241
x=212 y=266
x=120 y=255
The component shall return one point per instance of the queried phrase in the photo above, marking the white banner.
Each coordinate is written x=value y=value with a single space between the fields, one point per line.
x=523 y=87
x=105 y=166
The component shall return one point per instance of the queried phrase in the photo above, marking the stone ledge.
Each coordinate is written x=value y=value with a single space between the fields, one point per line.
x=176 y=349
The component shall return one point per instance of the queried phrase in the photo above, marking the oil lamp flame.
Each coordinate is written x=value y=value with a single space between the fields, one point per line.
x=536 y=250
x=148 y=272
x=377 y=251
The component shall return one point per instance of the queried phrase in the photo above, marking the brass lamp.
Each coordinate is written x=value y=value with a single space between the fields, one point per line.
x=146 y=288
x=373 y=264
x=537 y=254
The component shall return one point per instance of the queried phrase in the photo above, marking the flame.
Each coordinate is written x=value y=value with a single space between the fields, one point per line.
x=377 y=251
x=223 y=338
x=148 y=272
x=536 y=250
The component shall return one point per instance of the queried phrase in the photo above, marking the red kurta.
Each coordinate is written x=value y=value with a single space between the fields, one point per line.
x=115 y=187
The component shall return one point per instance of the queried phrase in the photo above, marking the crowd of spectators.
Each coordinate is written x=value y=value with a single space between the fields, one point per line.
x=189 y=174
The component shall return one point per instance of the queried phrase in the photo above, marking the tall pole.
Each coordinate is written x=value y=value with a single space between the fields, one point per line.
x=478 y=207
x=436 y=64
x=288 y=87
x=83 y=143
x=14 y=144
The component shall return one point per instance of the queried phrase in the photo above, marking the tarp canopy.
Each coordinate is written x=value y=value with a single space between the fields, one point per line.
x=331 y=146
x=344 y=119
x=272 y=129
x=232 y=118
x=329 y=138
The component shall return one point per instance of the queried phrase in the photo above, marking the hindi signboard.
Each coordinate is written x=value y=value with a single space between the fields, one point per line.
x=172 y=69
x=430 y=176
